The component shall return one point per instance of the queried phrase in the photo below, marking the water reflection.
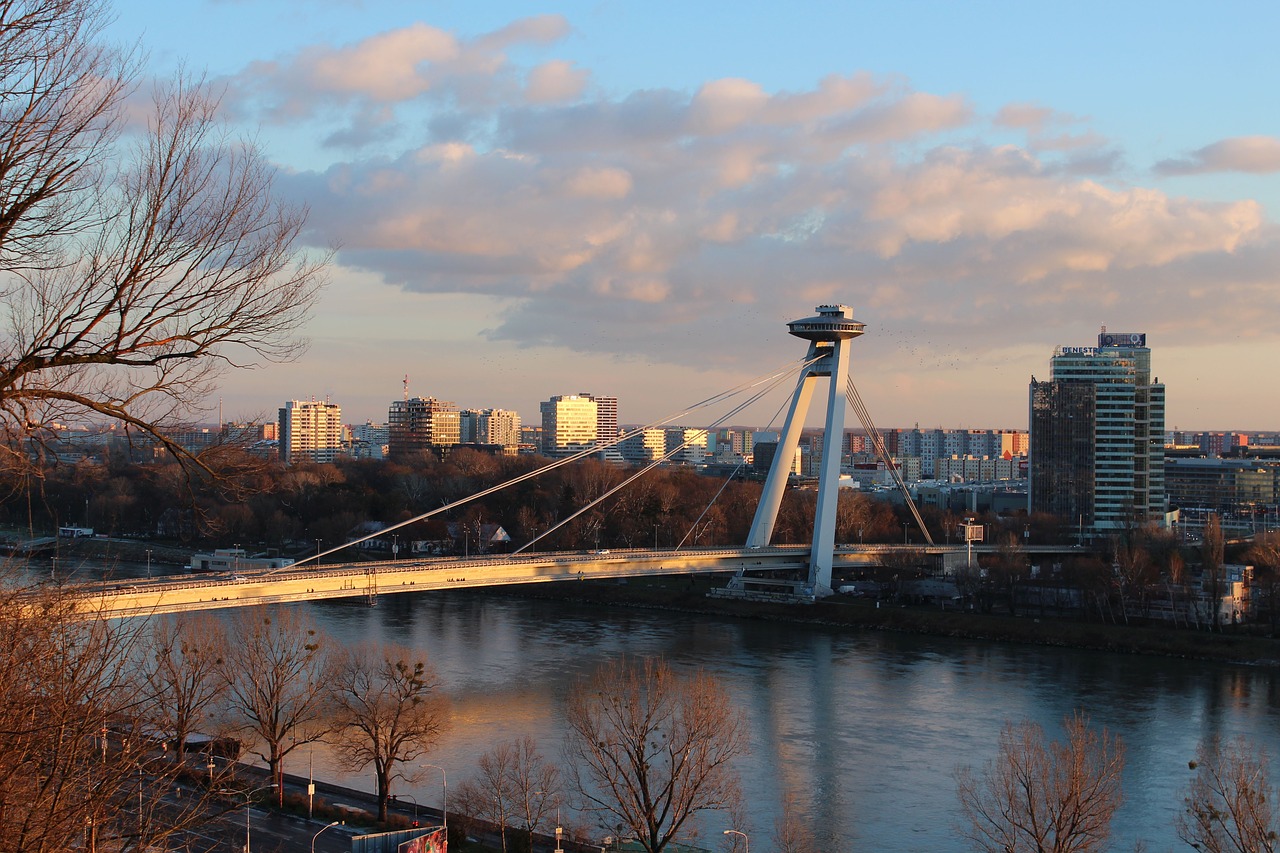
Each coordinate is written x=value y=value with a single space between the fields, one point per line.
x=865 y=730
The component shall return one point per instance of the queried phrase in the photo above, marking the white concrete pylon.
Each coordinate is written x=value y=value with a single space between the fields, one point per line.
x=828 y=334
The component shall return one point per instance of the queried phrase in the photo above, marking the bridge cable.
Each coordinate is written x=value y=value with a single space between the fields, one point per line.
x=772 y=377
x=664 y=458
x=860 y=409
x=725 y=484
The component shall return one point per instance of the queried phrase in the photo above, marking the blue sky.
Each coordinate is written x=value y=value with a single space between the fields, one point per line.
x=634 y=198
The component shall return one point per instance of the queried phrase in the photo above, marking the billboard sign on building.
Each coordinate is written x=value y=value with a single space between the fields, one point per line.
x=1122 y=339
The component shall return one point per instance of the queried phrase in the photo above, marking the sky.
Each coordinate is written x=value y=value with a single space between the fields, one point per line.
x=633 y=199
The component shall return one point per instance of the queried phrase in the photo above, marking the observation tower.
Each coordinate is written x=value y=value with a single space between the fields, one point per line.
x=828 y=334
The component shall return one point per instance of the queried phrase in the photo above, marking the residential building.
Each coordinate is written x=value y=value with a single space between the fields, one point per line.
x=643 y=446
x=422 y=425
x=497 y=427
x=685 y=445
x=1097 y=437
x=606 y=417
x=310 y=431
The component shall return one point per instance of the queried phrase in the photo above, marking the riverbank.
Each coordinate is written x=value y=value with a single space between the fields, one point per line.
x=689 y=594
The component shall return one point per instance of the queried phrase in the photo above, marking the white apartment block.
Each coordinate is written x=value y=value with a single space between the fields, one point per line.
x=643 y=446
x=310 y=431
x=490 y=426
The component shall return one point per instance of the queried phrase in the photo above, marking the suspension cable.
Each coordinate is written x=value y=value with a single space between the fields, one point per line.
x=860 y=409
x=772 y=377
x=664 y=458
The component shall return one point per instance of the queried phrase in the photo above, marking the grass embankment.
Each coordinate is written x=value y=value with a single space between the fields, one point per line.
x=690 y=595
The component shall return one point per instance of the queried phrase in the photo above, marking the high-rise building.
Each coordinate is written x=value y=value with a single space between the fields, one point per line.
x=569 y=424
x=310 y=431
x=490 y=426
x=606 y=417
x=1097 y=437
x=422 y=425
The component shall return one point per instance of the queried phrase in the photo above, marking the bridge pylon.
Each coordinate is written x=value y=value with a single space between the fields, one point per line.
x=828 y=334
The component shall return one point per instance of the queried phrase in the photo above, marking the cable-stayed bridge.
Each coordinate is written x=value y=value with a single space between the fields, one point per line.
x=180 y=593
x=802 y=573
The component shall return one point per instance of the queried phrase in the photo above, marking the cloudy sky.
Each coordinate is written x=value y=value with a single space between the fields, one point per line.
x=633 y=198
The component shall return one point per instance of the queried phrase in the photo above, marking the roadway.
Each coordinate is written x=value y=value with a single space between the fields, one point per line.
x=179 y=593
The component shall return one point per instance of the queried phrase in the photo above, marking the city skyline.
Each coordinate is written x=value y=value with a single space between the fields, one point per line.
x=636 y=202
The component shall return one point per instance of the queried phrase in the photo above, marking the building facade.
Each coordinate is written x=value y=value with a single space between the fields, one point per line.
x=497 y=427
x=1097 y=437
x=422 y=425
x=310 y=431
x=569 y=425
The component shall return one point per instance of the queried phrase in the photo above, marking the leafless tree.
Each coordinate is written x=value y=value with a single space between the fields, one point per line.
x=137 y=259
x=651 y=749
x=1211 y=558
x=79 y=767
x=1039 y=797
x=274 y=667
x=1264 y=554
x=1230 y=802
x=385 y=711
x=181 y=666
x=515 y=780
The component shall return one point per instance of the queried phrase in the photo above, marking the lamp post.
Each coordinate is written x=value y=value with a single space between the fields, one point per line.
x=904 y=533
x=746 y=842
x=317 y=835
x=148 y=563
x=318 y=541
x=248 y=800
x=444 y=795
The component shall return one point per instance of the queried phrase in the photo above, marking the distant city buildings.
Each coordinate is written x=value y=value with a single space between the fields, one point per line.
x=1097 y=436
x=310 y=431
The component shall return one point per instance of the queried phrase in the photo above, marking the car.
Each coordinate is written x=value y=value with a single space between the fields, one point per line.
x=601 y=551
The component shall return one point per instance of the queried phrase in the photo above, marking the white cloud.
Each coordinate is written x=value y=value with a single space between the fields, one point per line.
x=671 y=226
x=1254 y=154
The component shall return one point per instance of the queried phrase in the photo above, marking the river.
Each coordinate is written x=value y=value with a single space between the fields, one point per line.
x=864 y=729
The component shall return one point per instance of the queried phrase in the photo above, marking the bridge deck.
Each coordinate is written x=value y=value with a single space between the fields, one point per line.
x=172 y=594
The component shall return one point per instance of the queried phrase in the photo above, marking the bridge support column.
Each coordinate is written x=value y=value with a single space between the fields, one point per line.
x=829 y=334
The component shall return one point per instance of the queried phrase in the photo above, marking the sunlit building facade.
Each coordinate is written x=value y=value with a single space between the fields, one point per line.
x=422 y=425
x=310 y=431
x=1097 y=437
x=569 y=424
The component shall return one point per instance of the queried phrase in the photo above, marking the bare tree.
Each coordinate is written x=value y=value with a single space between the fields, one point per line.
x=515 y=779
x=651 y=749
x=1264 y=553
x=1230 y=802
x=135 y=261
x=1211 y=557
x=385 y=711
x=181 y=665
x=273 y=665
x=1040 y=797
x=78 y=767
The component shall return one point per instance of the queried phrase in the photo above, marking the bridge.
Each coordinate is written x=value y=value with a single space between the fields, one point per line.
x=797 y=573
x=368 y=580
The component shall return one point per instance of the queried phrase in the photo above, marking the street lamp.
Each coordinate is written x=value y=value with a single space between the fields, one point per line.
x=317 y=835
x=444 y=795
x=904 y=533
x=248 y=800
x=745 y=841
x=148 y=563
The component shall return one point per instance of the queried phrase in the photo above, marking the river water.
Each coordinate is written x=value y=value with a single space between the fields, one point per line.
x=864 y=730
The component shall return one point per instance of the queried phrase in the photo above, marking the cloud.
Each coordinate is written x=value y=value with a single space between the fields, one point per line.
x=401 y=66
x=672 y=225
x=554 y=82
x=1254 y=154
